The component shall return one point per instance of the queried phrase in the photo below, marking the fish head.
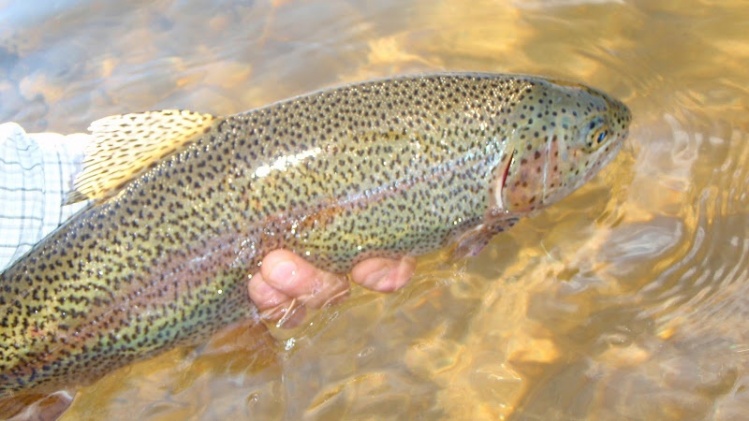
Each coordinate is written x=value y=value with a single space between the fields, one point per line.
x=564 y=134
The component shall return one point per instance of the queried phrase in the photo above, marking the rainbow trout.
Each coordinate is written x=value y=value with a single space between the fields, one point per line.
x=186 y=205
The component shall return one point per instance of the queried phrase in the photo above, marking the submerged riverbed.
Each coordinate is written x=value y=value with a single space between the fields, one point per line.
x=627 y=300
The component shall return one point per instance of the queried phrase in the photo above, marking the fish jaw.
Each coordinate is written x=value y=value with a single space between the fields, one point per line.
x=570 y=135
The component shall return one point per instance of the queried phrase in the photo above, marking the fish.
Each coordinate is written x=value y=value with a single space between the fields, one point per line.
x=184 y=206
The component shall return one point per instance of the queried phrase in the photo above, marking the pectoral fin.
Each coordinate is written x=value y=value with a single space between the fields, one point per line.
x=471 y=242
x=124 y=146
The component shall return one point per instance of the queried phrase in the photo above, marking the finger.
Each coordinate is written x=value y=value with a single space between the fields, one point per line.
x=264 y=295
x=298 y=279
x=384 y=275
x=273 y=305
x=290 y=274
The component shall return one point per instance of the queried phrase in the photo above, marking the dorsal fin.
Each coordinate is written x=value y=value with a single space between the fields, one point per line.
x=126 y=145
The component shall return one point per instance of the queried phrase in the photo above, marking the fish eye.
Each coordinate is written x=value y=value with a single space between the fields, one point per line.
x=602 y=136
x=597 y=133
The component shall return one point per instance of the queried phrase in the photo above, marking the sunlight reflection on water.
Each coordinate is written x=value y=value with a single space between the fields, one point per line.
x=626 y=301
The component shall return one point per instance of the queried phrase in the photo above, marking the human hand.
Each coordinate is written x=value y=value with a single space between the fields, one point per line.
x=287 y=284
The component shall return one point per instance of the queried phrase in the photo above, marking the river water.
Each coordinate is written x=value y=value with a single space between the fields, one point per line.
x=627 y=301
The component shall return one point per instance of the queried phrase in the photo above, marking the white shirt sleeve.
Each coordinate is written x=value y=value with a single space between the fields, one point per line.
x=36 y=173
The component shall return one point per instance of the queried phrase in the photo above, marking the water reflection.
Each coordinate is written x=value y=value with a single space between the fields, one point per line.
x=626 y=301
x=664 y=340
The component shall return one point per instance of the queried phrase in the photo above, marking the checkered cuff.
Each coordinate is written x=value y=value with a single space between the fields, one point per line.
x=36 y=174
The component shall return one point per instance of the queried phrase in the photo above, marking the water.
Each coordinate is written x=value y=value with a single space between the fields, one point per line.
x=626 y=301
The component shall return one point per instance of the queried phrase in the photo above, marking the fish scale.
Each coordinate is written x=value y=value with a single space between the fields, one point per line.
x=384 y=168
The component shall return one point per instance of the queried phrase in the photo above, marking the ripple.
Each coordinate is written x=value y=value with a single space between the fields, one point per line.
x=714 y=255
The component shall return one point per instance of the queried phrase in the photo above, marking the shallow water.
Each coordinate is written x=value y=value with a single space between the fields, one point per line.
x=628 y=300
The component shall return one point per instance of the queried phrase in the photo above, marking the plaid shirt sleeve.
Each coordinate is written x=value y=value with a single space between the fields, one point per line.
x=36 y=174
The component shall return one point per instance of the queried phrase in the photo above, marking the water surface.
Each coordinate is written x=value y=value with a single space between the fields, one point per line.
x=628 y=300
